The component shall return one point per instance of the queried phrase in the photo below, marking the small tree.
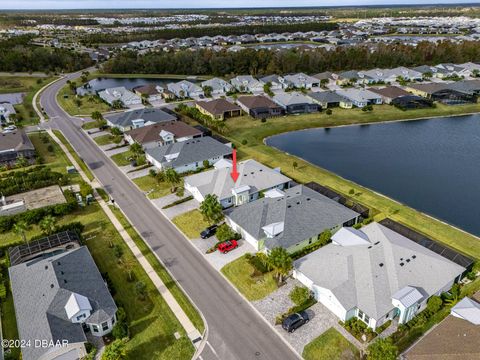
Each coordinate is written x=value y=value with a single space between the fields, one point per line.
x=20 y=228
x=116 y=131
x=225 y=232
x=281 y=262
x=295 y=165
x=325 y=236
x=211 y=209
x=172 y=177
x=118 y=251
x=206 y=164
x=207 y=90
x=136 y=149
x=48 y=225
x=116 y=350
x=382 y=349
x=97 y=117
x=299 y=295
x=117 y=104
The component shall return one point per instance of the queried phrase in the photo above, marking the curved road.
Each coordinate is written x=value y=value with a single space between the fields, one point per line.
x=235 y=330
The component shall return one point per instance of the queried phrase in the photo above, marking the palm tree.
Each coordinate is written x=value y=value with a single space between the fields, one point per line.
x=48 y=225
x=211 y=209
x=281 y=262
x=20 y=228
x=172 y=177
x=136 y=149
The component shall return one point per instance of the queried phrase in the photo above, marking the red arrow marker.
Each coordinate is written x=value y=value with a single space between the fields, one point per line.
x=234 y=173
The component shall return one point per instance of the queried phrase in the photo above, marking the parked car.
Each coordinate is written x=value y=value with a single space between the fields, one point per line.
x=294 y=321
x=226 y=246
x=209 y=231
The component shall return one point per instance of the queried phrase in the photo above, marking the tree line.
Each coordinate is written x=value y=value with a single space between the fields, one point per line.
x=16 y=54
x=261 y=62
x=111 y=38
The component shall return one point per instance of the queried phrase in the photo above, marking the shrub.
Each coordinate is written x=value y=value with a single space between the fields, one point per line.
x=263 y=120
x=120 y=330
x=118 y=251
x=329 y=112
x=244 y=142
x=141 y=289
x=434 y=304
x=3 y=291
x=299 y=295
x=382 y=349
x=357 y=226
x=225 y=232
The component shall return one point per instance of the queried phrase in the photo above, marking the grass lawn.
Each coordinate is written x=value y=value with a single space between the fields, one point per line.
x=331 y=345
x=89 y=125
x=55 y=159
x=108 y=139
x=29 y=85
x=191 y=223
x=122 y=159
x=77 y=158
x=9 y=322
x=149 y=184
x=152 y=323
x=253 y=288
x=88 y=105
x=254 y=131
x=181 y=298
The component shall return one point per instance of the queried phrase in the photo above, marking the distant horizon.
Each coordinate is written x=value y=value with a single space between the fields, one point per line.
x=85 y=5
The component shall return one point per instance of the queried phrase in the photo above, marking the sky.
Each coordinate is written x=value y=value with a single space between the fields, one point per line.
x=111 y=4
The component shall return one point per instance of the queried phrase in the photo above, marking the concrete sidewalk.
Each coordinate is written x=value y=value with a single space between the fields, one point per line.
x=190 y=329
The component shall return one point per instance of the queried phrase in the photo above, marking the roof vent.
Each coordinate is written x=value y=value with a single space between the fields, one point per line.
x=289 y=206
x=298 y=202
x=58 y=263
x=370 y=247
x=414 y=256
x=401 y=264
x=308 y=199
x=51 y=286
x=408 y=260
x=378 y=242
x=381 y=264
x=65 y=281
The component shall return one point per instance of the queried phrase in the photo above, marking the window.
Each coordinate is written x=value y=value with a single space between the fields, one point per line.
x=80 y=317
x=360 y=314
x=366 y=319
x=95 y=328
x=105 y=326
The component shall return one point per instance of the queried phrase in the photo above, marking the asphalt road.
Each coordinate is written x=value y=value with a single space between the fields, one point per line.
x=235 y=330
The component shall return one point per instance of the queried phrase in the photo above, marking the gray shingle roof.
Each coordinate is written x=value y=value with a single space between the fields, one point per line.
x=41 y=289
x=305 y=213
x=357 y=279
x=125 y=119
x=190 y=151
x=292 y=98
x=252 y=173
x=16 y=140
x=327 y=97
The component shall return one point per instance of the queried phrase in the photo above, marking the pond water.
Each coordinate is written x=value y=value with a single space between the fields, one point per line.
x=431 y=165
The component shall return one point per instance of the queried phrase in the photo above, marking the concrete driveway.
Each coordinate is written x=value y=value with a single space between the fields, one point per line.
x=217 y=259
x=176 y=210
x=321 y=319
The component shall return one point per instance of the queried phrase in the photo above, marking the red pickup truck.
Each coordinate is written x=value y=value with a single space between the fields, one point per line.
x=226 y=246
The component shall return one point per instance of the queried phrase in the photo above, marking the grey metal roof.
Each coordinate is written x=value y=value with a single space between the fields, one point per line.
x=12 y=98
x=190 y=151
x=252 y=173
x=305 y=213
x=125 y=119
x=41 y=289
x=366 y=276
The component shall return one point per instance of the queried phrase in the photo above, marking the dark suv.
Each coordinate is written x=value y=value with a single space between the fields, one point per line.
x=294 y=321
x=209 y=231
